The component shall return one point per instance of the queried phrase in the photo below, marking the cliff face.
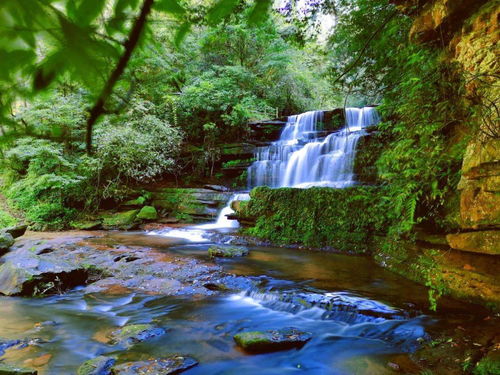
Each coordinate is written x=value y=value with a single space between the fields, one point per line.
x=467 y=32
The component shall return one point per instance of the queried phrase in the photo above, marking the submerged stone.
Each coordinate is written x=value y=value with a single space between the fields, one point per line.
x=135 y=333
x=12 y=370
x=272 y=340
x=97 y=366
x=164 y=366
x=227 y=251
x=147 y=213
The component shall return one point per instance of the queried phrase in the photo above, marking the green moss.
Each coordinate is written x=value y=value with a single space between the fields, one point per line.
x=11 y=370
x=251 y=339
x=345 y=219
x=147 y=213
x=227 y=251
x=85 y=224
x=98 y=365
x=120 y=220
x=135 y=202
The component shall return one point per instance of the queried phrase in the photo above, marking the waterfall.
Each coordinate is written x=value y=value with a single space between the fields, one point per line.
x=302 y=159
x=222 y=220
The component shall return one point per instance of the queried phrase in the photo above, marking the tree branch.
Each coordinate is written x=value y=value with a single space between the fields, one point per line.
x=98 y=108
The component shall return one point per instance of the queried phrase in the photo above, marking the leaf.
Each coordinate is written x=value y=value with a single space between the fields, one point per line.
x=89 y=10
x=221 y=10
x=169 y=6
x=259 y=12
x=181 y=33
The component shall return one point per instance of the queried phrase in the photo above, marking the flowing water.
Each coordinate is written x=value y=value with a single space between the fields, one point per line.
x=302 y=159
x=360 y=315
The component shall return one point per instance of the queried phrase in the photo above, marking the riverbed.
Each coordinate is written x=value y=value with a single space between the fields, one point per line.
x=363 y=318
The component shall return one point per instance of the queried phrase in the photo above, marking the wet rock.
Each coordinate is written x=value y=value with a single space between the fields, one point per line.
x=272 y=340
x=6 y=344
x=163 y=366
x=227 y=251
x=6 y=241
x=97 y=366
x=12 y=370
x=16 y=231
x=216 y=188
x=120 y=220
x=135 y=333
x=147 y=213
x=485 y=242
x=27 y=274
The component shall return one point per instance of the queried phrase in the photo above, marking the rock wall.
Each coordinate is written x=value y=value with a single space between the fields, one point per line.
x=468 y=33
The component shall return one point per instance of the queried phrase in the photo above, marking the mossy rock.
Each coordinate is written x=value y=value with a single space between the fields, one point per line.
x=6 y=241
x=227 y=251
x=135 y=333
x=147 y=213
x=97 y=366
x=119 y=220
x=139 y=201
x=173 y=364
x=86 y=224
x=272 y=340
x=11 y=370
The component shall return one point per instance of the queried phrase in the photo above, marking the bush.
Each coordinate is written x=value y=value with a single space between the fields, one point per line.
x=140 y=149
x=45 y=184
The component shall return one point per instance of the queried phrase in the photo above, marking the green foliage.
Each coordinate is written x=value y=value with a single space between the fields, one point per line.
x=45 y=184
x=345 y=219
x=487 y=366
x=6 y=219
x=422 y=104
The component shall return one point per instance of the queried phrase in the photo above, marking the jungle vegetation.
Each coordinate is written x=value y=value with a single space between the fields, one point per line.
x=100 y=96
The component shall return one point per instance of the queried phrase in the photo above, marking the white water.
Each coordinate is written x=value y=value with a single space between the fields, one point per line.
x=300 y=159
x=197 y=233
x=222 y=221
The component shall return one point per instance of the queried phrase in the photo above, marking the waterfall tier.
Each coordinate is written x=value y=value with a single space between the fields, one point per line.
x=300 y=158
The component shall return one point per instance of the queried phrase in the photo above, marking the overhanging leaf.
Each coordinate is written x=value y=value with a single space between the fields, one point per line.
x=169 y=6
x=220 y=10
x=259 y=11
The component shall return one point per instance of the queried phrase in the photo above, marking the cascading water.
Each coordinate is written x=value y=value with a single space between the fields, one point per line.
x=301 y=159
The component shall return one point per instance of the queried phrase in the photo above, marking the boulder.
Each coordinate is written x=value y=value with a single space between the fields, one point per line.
x=174 y=364
x=485 y=241
x=30 y=271
x=97 y=366
x=139 y=201
x=147 y=213
x=6 y=241
x=12 y=370
x=120 y=220
x=16 y=231
x=135 y=333
x=272 y=340
x=227 y=251
x=86 y=224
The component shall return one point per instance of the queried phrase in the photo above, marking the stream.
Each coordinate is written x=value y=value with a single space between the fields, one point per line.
x=361 y=316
